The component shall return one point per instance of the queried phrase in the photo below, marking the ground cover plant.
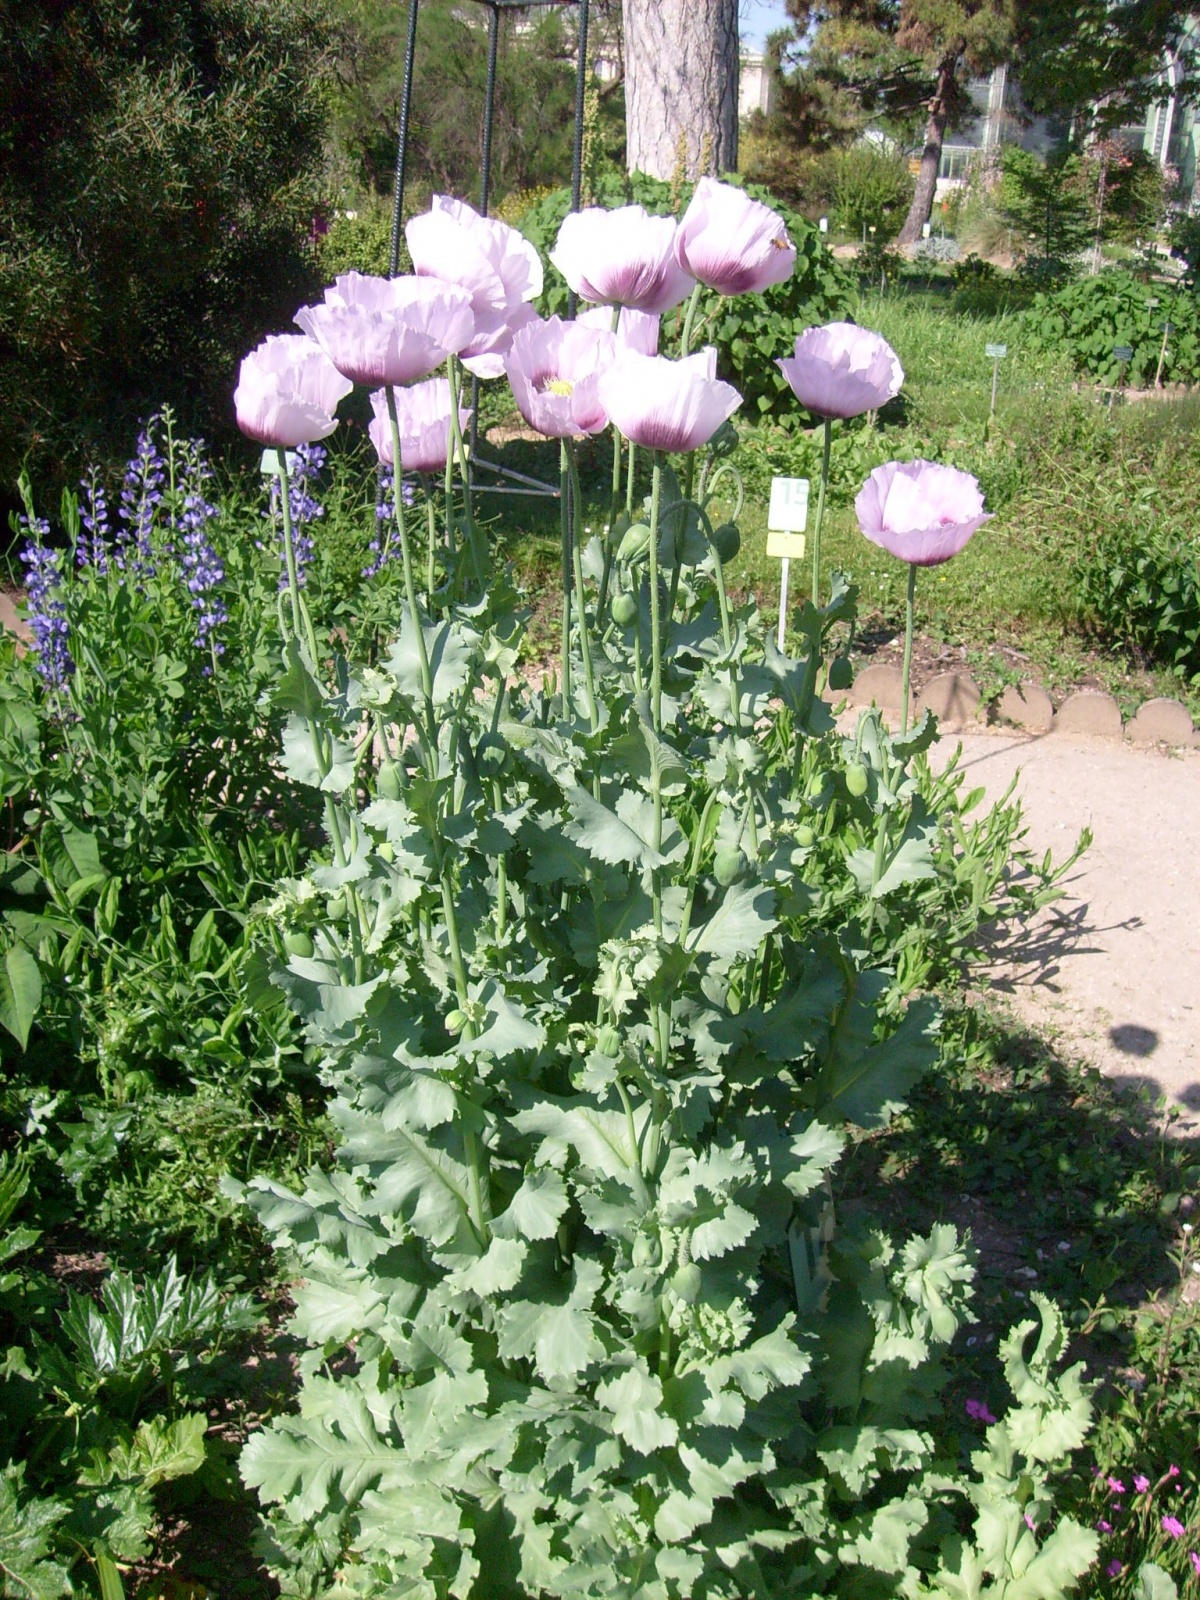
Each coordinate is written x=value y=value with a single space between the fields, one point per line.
x=617 y=977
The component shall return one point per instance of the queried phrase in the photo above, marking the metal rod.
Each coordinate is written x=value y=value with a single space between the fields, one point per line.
x=489 y=106
x=410 y=50
x=580 y=92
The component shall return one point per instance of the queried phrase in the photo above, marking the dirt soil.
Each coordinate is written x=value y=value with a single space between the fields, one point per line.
x=1113 y=969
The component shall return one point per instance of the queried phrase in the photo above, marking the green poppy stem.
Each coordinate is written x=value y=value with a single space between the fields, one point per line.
x=585 y=643
x=820 y=517
x=908 y=643
x=564 y=518
x=410 y=588
x=689 y=318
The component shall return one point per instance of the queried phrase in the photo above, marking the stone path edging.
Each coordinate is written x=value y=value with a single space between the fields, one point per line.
x=957 y=702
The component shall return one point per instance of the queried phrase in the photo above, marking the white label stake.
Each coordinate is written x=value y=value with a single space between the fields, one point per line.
x=787 y=518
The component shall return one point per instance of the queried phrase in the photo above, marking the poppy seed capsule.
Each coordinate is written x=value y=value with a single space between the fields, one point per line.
x=388 y=782
x=624 y=610
x=456 y=1021
x=727 y=541
x=297 y=943
x=729 y=866
x=856 y=779
x=636 y=544
x=805 y=837
x=608 y=1042
x=686 y=1283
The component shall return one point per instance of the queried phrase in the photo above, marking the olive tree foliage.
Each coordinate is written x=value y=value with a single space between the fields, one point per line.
x=161 y=161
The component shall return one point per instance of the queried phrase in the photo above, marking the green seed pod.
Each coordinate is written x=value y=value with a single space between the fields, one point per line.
x=297 y=943
x=805 y=837
x=619 y=527
x=686 y=1283
x=491 y=753
x=635 y=546
x=729 y=867
x=456 y=1021
x=727 y=540
x=335 y=907
x=388 y=782
x=624 y=610
x=856 y=779
x=608 y=1042
x=841 y=673
x=647 y=1250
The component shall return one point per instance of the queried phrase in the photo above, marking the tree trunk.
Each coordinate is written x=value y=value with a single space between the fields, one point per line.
x=931 y=156
x=681 y=86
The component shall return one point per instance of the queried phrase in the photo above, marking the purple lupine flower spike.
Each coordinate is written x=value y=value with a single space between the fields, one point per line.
x=141 y=495
x=381 y=548
x=47 y=613
x=91 y=549
x=203 y=569
x=308 y=460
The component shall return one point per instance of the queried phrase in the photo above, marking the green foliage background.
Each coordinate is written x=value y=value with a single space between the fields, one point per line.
x=157 y=184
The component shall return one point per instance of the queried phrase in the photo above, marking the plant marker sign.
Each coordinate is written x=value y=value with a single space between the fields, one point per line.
x=787 y=518
x=995 y=354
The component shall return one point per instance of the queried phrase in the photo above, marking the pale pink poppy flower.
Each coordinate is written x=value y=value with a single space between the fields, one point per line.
x=423 y=415
x=624 y=257
x=842 y=370
x=920 y=512
x=389 y=330
x=636 y=330
x=554 y=368
x=732 y=243
x=496 y=265
x=668 y=405
x=287 y=392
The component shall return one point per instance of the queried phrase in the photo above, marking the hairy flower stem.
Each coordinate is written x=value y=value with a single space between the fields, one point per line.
x=906 y=672
x=410 y=588
x=476 y=1177
x=661 y=1020
x=689 y=318
x=820 y=516
x=454 y=369
x=614 y=509
x=299 y=611
x=431 y=527
x=564 y=527
x=629 y=479
x=585 y=643
x=635 y=1150
x=735 y=697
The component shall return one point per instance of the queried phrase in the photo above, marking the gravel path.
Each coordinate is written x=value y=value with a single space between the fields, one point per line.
x=1113 y=969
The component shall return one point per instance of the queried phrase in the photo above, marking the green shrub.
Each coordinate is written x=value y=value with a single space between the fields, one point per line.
x=749 y=331
x=156 y=202
x=871 y=189
x=1088 y=319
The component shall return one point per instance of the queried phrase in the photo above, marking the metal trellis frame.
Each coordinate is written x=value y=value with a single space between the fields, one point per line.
x=521 y=484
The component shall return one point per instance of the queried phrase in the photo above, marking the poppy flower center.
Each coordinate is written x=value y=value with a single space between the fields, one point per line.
x=558 y=386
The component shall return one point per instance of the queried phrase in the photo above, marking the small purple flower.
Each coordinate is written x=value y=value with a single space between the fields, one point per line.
x=1194 y=1558
x=308 y=461
x=1141 y=1483
x=141 y=495
x=1104 y=1527
x=91 y=548
x=382 y=549
x=1173 y=1527
x=47 y=613
x=1114 y=1568
x=1115 y=1486
x=978 y=1412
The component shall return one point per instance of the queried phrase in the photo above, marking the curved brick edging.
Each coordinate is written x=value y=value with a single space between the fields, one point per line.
x=957 y=702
